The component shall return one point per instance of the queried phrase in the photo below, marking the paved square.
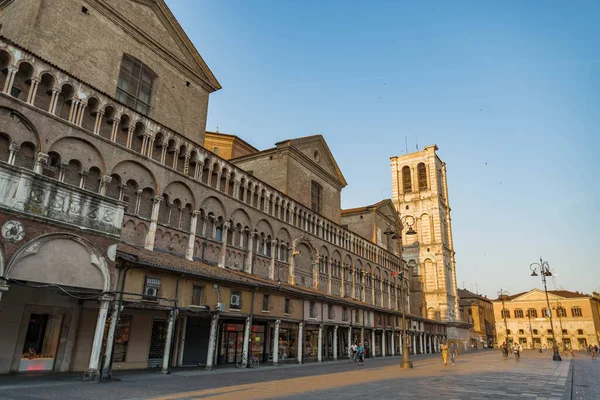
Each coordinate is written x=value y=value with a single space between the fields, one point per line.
x=481 y=375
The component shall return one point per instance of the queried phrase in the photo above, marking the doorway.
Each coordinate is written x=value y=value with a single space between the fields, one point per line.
x=41 y=342
x=158 y=339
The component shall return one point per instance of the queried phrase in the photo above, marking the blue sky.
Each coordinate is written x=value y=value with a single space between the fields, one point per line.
x=515 y=85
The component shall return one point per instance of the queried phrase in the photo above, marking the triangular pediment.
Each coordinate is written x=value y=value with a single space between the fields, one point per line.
x=537 y=295
x=316 y=149
x=152 y=22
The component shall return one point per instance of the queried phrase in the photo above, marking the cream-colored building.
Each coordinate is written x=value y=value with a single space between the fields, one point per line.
x=575 y=319
x=420 y=194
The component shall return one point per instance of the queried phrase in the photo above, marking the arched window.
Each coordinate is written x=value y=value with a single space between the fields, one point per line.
x=406 y=183
x=422 y=175
x=135 y=85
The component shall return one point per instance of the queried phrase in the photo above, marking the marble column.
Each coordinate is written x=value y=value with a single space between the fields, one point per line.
x=373 y=343
x=320 y=343
x=212 y=341
x=335 y=344
x=189 y=251
x=10 y=78
x=272 y=261
x=151 y=235
x=276 y=343
x=383 y=339
x=223 y=255
x=92 y=372
x=300 y=342
x=393 y=340
x=168 y=342
x=248 y=265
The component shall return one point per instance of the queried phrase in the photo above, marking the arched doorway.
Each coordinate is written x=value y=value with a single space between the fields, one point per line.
x=50 y=278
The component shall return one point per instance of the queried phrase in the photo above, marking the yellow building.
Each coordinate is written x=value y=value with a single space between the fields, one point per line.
x=479 y=311
x=524 y=318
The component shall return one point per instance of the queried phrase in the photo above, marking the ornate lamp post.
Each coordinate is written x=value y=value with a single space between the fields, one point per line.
x=544 y=270
x=503 y=295
x=406 y=362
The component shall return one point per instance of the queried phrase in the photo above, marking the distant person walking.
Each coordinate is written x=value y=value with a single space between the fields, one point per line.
x=361 y=355
x=444 y=348
x=453 y=352
x=504 y=348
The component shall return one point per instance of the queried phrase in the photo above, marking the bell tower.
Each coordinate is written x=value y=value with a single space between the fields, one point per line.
x=420 y=194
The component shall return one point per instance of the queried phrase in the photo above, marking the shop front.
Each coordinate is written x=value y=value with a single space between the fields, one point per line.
x=287 y=344
x=231 y=347
x=197 y=333
x=367 y=342
x=311 y=343
x=378 y=340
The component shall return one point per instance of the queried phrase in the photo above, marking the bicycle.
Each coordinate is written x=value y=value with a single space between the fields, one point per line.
x=351 y=356
x=243 y=363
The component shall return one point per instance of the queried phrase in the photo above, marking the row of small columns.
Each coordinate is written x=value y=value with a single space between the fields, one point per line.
x=76 y=114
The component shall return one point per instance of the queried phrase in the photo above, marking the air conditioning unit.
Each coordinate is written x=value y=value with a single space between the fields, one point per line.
x=150 y=292
x=235 y=300
x=220 y=307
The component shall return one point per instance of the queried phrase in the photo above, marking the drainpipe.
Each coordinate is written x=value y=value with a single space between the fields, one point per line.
x=119 y=308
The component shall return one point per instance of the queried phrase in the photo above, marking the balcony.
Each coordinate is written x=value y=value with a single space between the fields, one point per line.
x=24 y=191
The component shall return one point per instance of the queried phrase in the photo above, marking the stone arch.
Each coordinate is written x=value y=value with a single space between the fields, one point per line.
x=133 y=170
x=61 y=259
x=72 y=148
x=264 y=226
x=19 y=127
x=240 y=216
x=213 y=205
x=179 y=190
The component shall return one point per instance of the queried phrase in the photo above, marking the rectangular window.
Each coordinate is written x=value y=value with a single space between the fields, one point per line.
x=235 y=301
x=286 y=306
x=312 y=312
x=535 y=332
x=564 y=332
x=151 y=288
x=580 y=331
x=521 y=332
x=508 y=332
x=549 y=331
x=330 y=312
x=545 y=313
x=344 y=313
x=532 y=312
x=576 y=312
x=561 y=312
x=265 y=304
x=316 y=197
x=518 y=313
x=197 y=294
x=135 y=84
x=505 y=314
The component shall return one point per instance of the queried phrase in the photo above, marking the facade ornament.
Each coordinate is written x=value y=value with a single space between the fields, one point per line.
x=13 y=231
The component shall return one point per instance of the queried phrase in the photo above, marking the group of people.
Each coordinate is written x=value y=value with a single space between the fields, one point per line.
x=516 y=349
x=592 y=351
x=451 y=349
x=358 y=354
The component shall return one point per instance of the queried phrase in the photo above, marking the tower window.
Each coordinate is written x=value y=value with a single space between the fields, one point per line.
x=136 y=81
x=406 y=183
x=422 y=175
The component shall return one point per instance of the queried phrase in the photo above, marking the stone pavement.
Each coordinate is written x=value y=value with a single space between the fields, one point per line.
x=479 y=375
x=586 y=378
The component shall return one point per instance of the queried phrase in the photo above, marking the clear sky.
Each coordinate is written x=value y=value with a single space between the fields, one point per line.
x=510 y=93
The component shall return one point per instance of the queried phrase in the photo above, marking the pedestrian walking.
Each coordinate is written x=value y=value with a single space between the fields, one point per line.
x=453 y=352
x=444 y=348
x=361 y=355
x=504 y=348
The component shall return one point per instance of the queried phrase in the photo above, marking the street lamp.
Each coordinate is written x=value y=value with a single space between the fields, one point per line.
x=406 y=362
x=544 y=271
x=503 y=295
